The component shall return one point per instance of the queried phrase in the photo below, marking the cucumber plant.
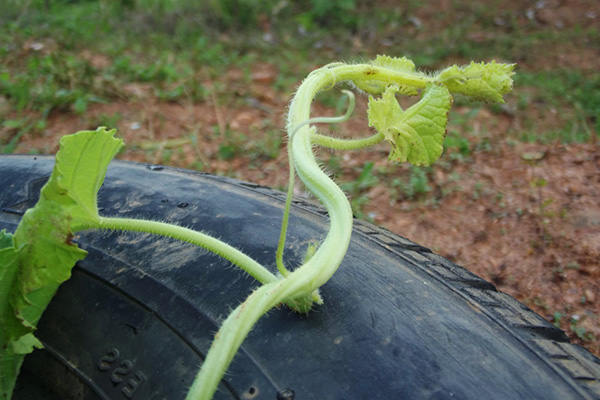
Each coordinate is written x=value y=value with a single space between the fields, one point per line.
x=40 y=254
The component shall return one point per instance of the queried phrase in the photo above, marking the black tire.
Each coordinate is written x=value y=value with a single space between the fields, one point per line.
x=399 y=322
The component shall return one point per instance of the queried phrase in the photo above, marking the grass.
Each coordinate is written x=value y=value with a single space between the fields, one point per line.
x=171 y=45
x=357 y=189
x=65 y=56
x=69 y=59
x=415 y=186
x=572 y=94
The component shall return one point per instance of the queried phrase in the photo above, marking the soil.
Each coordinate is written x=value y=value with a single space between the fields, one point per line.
x=523 y=216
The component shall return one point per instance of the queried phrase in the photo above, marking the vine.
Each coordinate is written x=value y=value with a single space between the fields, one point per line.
x=39 y=256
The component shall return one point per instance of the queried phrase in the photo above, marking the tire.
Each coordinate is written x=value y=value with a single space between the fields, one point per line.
x=399 y=322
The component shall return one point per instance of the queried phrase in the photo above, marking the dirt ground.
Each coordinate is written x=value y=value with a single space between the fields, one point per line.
x=523 y=216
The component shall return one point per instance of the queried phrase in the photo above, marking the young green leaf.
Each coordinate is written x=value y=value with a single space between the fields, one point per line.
x=10 y=328
x=40 y=255
x=480 y=81
x=81 y=169
x=402 y=65
x=417 y=134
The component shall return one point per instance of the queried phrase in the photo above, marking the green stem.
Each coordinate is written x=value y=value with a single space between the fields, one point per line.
x=216 y=246
x=346 y=144
x=292 y=177
x=257 y=271
x=284 y=222
x=318 y=269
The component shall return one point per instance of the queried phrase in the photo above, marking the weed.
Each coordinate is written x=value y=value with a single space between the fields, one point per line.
x=330 y=13
x=477 y=190
x=557 y=317
x=17 y=89
x=578 y=330
x=356 y=189
x=560 y=319
x=364 y=180
x=575 y=93
x=573 y=265
x=233 y=144
x=109 y=120
x=227 y=151
x=56 y=81
x=332 y=100
x=422 y=125
x=267 y=146
x=20 y=128
x=334 y=164
x=459 y=146
x=415 y=186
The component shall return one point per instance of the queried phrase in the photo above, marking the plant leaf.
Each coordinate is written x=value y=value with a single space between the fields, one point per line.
x=402 y=65
x=40 y=255
x=9 y=362
x=417 y=134
x=81 y=168
x=480 y=81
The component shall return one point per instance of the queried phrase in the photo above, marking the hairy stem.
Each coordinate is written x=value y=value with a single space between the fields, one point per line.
x=292 y=177
x=216 y=246
x=316 y=271
x=346 y=144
